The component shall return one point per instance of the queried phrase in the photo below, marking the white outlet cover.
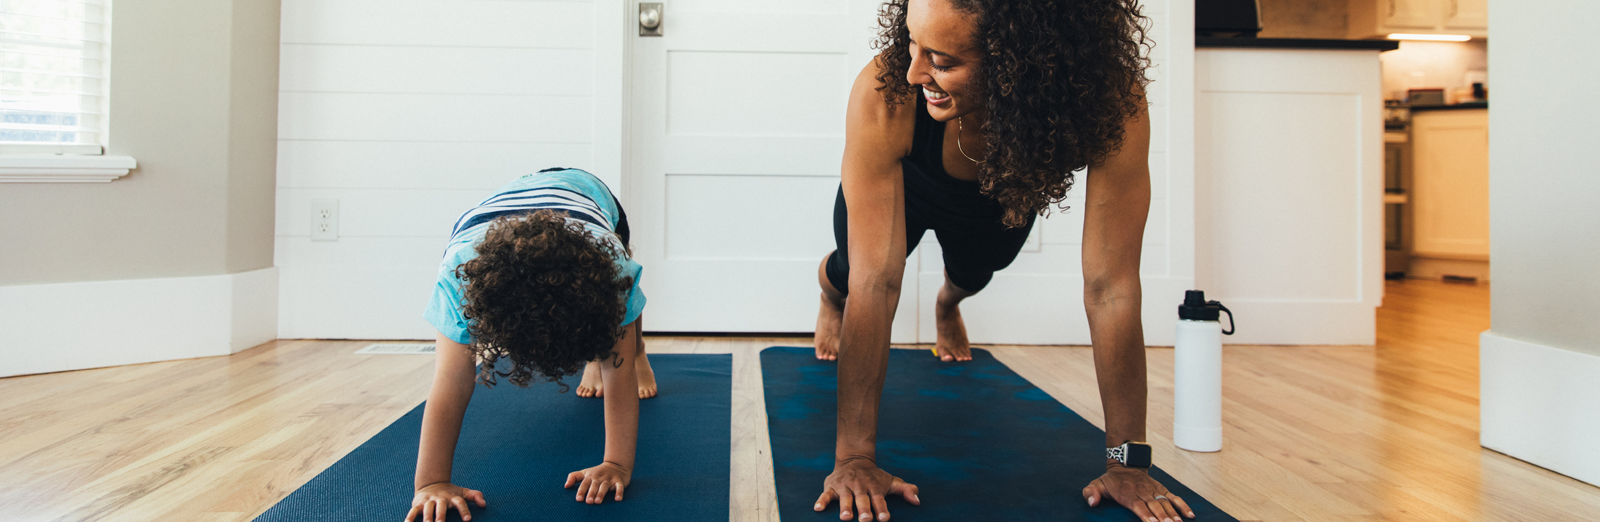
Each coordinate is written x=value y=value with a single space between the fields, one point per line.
x=324 y=220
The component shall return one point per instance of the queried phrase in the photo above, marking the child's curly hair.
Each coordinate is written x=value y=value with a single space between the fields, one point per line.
x=544 y=293
x=1060 y=78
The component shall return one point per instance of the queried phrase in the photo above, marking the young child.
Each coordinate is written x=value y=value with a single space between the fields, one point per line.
x=539 y=276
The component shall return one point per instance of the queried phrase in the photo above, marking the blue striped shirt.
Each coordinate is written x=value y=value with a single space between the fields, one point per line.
x=584 y=198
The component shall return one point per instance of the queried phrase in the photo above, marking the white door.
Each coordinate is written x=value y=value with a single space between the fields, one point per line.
x=737 y=134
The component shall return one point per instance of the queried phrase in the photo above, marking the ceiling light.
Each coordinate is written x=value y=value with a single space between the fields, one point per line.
x=1431 y=37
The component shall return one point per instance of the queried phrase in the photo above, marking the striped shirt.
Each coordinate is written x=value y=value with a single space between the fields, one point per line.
x=584 y=199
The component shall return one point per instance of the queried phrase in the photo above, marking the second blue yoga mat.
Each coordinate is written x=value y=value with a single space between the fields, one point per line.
x=980 y=441
x=518 y=444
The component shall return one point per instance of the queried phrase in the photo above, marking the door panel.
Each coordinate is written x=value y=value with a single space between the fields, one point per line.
x=738 y=132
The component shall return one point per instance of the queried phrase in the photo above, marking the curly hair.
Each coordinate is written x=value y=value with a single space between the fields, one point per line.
x=544 y=293
x=1059 y=77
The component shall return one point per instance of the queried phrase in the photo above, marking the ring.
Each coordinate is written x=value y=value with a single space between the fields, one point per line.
x=1161 y=497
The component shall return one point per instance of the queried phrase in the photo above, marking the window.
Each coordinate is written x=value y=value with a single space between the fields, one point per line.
x=53 y=75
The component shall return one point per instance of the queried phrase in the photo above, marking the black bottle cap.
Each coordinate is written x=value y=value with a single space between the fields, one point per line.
x=1195 y=307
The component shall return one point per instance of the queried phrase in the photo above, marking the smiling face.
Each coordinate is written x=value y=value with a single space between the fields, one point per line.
x=944 y=58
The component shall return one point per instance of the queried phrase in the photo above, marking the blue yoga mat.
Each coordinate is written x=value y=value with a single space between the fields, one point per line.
x=981 y=442
x=518 y=445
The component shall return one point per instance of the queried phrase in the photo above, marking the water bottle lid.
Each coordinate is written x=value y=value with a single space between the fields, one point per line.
x=1194 y=307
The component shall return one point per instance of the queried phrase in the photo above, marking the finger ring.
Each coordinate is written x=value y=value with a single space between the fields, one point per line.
x=1161 y=497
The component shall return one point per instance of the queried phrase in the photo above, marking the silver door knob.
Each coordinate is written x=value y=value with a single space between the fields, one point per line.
x=650 y=19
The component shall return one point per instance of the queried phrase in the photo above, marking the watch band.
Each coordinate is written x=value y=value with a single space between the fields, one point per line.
x=1130 y=454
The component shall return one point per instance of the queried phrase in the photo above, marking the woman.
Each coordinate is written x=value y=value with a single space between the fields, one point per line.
x=970 y=123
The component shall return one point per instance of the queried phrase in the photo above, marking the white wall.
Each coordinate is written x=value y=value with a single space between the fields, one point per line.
x=409 y=112
x=175 y=259
x=1540 y=361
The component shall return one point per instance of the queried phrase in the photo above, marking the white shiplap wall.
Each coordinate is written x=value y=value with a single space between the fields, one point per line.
x=409 y=112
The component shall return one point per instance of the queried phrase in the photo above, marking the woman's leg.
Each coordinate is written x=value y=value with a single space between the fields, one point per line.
x=829 y=316
x=951 y=344
x=972 y=254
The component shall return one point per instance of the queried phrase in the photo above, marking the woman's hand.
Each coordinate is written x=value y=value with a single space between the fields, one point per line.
x=433 y=502
x=1135 y=490
x=860 y=488
x=593 y=483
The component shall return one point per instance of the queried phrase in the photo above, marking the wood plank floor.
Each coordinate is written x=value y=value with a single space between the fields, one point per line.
x=1313 y=433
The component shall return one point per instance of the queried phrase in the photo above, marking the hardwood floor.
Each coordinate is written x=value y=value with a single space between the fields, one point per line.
x=1312 y=433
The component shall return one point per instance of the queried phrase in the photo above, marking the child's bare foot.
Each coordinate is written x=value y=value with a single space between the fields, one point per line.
x=829 y=318
x=591 y=385
x=952 y=341
x=645 y=375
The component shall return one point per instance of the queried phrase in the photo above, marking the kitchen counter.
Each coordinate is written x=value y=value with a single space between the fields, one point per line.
x=1289 y=190
x=1456 y=107
x=1296 y=43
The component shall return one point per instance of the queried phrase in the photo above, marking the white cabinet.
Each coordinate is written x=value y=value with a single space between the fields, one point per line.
x=1450 y=184
x=1467 y=14
x=1410 y=14
x=1379 y=18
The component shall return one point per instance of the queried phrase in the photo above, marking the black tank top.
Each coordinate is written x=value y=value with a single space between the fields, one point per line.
x=929 y=186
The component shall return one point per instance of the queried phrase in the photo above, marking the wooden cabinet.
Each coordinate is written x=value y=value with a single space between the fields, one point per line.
x=1450 y=184
x=1379 y=18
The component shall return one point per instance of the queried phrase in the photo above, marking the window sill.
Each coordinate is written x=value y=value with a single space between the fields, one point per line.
x=63 y=168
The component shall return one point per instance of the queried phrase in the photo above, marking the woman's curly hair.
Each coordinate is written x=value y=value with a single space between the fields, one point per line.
x=1059 y=77
x=544 y=293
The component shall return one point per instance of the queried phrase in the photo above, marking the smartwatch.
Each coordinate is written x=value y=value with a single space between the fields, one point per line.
x=1131 y=454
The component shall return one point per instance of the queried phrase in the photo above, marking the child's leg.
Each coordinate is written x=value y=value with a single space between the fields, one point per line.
x=641 y=365
x=592 y=384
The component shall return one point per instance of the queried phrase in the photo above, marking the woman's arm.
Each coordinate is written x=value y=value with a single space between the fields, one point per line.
x=876 y=138
x=622 y=424
x=454 y=375
x=1117 y=206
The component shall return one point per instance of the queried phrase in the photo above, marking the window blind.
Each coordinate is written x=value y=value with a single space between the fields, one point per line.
x=52 y=71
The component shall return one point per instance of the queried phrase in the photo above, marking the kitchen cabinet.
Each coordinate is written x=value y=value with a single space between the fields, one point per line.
x=1450 y=184
x=1379 y=18
x=1467 y=14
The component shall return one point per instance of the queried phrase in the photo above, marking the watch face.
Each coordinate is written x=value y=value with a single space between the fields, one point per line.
x=1138 y=455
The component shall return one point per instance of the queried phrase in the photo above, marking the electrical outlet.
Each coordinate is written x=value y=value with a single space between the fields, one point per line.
x=324 y=220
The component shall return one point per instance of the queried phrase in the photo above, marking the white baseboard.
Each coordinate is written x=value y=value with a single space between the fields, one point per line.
x=73 y=326
x=1540 y=404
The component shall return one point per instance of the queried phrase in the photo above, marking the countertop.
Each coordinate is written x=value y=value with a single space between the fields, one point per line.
x=1456 y=107
x=1295 y=43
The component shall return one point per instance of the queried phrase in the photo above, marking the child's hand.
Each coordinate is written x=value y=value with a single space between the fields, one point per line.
x=594 y=482
x=433 y=502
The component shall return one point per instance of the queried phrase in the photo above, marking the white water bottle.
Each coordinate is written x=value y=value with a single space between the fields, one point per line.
x=1197 y=379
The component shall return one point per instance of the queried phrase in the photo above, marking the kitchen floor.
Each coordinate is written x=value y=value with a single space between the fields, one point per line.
x=1386 y=432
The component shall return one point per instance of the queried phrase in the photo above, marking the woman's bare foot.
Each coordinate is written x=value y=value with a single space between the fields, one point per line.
x=952 y=343
x=646 y=376
x=592 y=385
x=829 y=316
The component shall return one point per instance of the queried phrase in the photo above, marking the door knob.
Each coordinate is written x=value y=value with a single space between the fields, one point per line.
x=650 y=19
